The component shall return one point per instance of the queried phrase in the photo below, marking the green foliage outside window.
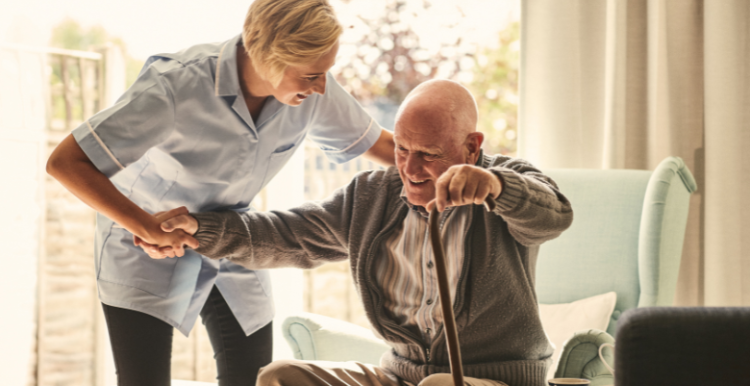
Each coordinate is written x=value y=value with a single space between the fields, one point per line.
x=68 y=34
x=389 y=61
x=495 y=87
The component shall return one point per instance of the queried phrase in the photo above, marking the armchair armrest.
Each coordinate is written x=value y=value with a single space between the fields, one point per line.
x=580 y=358
x=318 y=337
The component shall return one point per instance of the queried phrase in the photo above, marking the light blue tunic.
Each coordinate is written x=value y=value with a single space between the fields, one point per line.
x=182 y=135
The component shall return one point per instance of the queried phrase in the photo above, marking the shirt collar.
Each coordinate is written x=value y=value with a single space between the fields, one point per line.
x=227 y=80
x=480 y=159
x=419 y=209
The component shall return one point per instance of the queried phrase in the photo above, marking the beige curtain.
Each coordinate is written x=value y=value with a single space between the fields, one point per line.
x=625 y=83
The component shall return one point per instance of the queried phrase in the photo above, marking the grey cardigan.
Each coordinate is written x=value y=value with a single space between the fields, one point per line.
x=496 y=309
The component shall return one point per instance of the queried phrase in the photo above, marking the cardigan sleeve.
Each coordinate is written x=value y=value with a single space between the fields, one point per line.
x=303 y=237
x=530 y=203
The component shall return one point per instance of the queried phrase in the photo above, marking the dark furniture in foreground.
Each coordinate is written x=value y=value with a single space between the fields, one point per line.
x=703 y=346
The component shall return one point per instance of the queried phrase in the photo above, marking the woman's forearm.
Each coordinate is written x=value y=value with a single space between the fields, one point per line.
x=69 y=165
x=382 y=151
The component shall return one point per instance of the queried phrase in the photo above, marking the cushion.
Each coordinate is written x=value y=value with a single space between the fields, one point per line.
x=561 y=321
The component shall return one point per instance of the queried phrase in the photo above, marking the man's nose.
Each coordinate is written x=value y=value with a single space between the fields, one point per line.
x=320 y=85
x=413 y=164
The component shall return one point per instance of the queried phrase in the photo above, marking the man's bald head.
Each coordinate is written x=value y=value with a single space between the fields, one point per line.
x=448 y=108
x=435 y=129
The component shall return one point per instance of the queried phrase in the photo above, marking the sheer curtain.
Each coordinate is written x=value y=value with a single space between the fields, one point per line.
x=625 y=83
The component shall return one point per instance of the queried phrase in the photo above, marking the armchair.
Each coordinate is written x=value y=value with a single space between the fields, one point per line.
x=626 y=237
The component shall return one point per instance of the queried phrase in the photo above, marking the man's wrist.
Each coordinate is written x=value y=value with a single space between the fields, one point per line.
x=501 y=183
x=197 y=223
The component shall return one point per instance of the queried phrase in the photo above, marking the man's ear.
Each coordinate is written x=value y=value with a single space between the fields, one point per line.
x=473 y=145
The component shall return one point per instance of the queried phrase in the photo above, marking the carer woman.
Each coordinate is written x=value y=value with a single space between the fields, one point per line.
x=206 y=128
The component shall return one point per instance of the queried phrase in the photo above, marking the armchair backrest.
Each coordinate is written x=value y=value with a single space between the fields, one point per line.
x=627 y=236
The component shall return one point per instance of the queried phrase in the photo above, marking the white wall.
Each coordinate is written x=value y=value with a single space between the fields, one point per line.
x=22 y=125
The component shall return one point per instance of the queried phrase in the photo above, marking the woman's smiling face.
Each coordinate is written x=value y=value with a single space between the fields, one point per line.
x=301 y=81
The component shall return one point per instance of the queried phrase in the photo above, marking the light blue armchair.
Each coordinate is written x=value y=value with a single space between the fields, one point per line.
x=626 y=237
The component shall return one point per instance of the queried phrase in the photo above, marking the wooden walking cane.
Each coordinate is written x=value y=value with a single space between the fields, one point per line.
x=449 y=320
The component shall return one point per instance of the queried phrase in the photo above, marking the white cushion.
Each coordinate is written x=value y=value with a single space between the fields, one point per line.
x=561 y=321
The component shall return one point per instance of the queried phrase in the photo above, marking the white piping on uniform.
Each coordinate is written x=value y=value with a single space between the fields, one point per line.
x=106 y=149
x=372 y=120
x=218 y=68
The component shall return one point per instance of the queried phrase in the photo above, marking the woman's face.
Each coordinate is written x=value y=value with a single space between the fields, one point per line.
x=299 y=82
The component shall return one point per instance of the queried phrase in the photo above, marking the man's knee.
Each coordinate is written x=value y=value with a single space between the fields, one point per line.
x=441 y=379
x=282 y=372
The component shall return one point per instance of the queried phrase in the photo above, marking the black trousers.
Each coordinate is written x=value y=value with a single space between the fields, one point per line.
x=142 y=345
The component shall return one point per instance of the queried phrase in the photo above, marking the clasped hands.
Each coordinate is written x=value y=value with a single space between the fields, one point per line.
x=177 y=228
x=460 y=185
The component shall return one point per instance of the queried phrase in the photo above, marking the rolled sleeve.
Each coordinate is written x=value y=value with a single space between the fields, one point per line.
x=141 y=119
x=98 y=153
x=340 y=126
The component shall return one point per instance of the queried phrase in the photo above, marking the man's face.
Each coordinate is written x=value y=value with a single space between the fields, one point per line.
x=423 y=153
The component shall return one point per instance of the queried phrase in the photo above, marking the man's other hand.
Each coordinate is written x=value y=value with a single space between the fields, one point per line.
x=463 y=185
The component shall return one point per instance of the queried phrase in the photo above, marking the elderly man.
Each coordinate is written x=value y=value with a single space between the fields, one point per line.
x=379 y=222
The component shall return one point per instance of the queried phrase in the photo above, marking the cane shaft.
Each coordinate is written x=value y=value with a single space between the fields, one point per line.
x=449 y=321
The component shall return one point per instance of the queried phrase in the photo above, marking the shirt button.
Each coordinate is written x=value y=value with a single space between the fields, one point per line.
x=429 y=265
x=429 y=301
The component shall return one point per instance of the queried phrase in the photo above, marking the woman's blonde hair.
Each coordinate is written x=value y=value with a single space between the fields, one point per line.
x=279 y=33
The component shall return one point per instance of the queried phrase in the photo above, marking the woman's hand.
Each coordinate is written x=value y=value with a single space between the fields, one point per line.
x=463 y=185
x=174 y=232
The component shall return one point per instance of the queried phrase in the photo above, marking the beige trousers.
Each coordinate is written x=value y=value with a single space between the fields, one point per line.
x=322 y=373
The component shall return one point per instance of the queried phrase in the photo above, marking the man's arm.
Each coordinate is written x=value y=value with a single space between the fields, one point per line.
x=304 y=237
x=530 y=203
